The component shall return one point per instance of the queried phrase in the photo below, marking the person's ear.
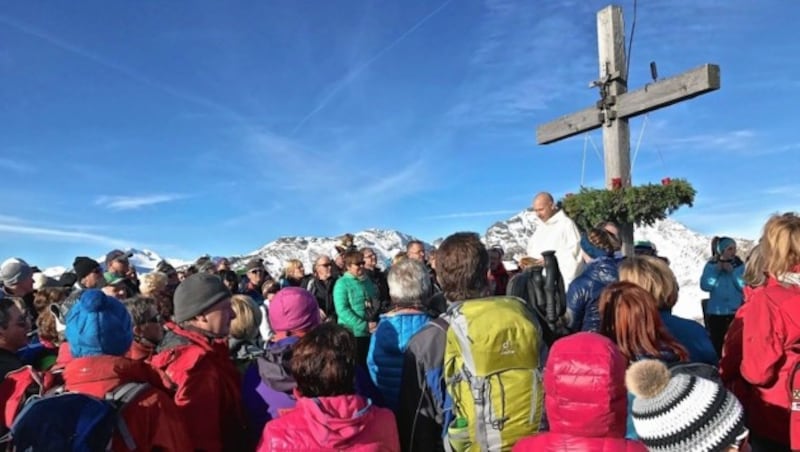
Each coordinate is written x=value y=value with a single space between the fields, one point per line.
x=296 y=393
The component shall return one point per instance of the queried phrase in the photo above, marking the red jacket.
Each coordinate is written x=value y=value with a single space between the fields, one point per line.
x=207 y=388
x=140 y=351
x=499 y=278
x=585 y=398
x=758 y=357
x=152 y=418
x=347 y=422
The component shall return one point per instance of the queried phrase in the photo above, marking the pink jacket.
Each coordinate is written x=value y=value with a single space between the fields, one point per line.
x=330 y=424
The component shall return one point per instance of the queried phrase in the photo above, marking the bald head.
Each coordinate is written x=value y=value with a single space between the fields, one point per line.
x=544 y=206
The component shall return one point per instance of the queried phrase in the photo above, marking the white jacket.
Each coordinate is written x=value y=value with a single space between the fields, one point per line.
x=559 y=234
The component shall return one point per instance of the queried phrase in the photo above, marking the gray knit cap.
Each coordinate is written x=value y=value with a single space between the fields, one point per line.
x=196 y=294
x=682 y=412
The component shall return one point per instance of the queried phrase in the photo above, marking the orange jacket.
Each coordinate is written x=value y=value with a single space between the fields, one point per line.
x=152 y=418
x=206 y=387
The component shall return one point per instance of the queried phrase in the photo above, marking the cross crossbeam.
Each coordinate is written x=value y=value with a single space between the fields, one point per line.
x=617 y=105
x=653 y=96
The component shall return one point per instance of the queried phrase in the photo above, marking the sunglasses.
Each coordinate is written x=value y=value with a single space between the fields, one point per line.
x=360 y=263
x=257 y=271
x=328 y=264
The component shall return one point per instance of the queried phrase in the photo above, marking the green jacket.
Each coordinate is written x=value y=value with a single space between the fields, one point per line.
x=350 y=296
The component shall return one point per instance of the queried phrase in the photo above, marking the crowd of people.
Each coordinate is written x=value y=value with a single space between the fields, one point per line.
x=435 y=352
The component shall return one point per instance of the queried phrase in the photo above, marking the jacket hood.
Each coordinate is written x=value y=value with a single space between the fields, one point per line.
x=273 y=367
x=584 y=384
x=335 y=421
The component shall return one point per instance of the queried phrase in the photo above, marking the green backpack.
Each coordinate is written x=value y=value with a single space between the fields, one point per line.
x=492 y=372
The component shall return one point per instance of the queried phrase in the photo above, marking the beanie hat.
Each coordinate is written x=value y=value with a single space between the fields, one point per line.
x=41 y=281
x=117 y=254
x=198 y=293
x=67 y=279
x=591 y=250
x=293 y=308
x=83 y=266
x=723 y=243
x=682 y=412
x=14 y=270
x=254 y=264
x=98 y=325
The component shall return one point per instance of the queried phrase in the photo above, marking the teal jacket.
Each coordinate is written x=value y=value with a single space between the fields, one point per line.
x=725 y=289
x=350 y=295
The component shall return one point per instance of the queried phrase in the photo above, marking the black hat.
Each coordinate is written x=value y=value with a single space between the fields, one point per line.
x=83 y=266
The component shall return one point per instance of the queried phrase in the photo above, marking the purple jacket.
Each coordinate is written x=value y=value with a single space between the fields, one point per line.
x=267 y=386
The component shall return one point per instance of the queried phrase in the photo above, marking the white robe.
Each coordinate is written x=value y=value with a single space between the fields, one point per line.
x=559 y=234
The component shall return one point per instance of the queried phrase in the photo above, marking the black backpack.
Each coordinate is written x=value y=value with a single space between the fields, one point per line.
x=542 y=289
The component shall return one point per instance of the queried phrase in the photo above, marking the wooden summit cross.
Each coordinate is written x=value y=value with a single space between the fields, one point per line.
x=617 y=105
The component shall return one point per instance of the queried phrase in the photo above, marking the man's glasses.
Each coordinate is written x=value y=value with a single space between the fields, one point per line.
x=360 y=263
x=326 y=264
x=257 y=271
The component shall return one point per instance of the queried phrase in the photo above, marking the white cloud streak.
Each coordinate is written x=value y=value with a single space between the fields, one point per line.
x=353 y=74
x=136 y=202
x=16 y=166
x=485 y=213
x=62 y=235
x=118 y=68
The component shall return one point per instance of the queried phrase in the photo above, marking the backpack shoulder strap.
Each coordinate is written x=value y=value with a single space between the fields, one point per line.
x=120 y=397
x=441 y=323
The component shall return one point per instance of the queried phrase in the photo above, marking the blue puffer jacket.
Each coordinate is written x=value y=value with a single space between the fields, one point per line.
x=725 y=288
x=385 y=358
x=584 y=291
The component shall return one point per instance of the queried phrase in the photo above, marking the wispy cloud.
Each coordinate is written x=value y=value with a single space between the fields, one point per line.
x=62 y=235
x=117 y=67
x=307 y=174
x=136 y=202
x=16 y=166
x=342 y=83
x=484 y=213
x=732 y=140
x=521 y=62
x=789 y=190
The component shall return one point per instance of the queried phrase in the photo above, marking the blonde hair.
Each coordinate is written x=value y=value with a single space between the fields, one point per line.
x=754 y=275
x=152 y=283
x=399 y=257
x=291 y=266
x=248 y=318
x=780 y=244
x=653 y=275
x=526 y=263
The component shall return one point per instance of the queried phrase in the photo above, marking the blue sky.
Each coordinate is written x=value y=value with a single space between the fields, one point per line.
x=215 y=127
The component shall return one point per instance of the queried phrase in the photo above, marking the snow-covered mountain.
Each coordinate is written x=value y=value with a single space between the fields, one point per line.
x=386 y=244
x=687 y=251
x=144 y=261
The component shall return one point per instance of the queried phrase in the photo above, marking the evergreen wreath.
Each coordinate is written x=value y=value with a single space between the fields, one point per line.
x=639 y=205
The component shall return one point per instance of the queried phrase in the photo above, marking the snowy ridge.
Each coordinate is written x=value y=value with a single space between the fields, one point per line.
x=687 y=251
x=386 y=244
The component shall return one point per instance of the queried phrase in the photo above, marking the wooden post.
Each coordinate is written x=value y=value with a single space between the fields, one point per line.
x=616 y=133
x=617 y=105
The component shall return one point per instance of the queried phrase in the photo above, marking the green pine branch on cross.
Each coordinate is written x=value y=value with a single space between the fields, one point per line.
x=639 y=205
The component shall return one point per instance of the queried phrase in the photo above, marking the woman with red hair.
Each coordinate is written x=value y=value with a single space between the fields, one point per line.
x=630 y=318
